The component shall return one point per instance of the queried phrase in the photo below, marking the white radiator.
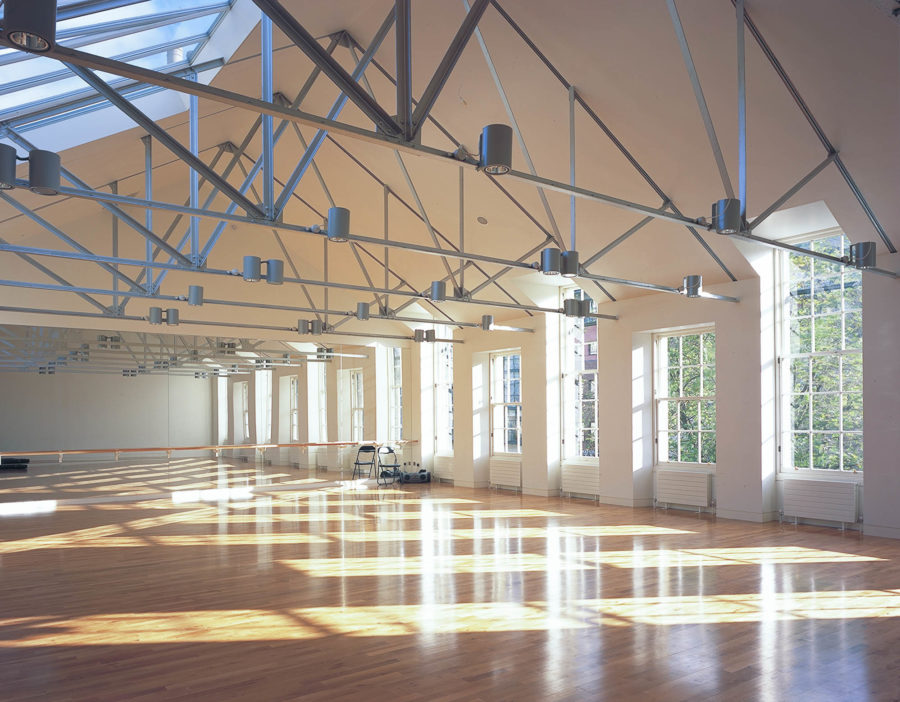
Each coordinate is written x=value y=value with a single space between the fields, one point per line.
x=683 y=487
x=834 y=501
x=443 y=467
x=506 y=473
x=580 y=479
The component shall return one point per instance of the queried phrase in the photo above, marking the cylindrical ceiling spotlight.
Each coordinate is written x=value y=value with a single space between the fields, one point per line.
x=195 y=295
x=726 y=216
x=274 y=271
x=430 y=335
x=693 y=285
x=419 y=336
x=252 y=266
x=172 y=317
x=863 y=254
x=154 y=316
x=438 y=290
x=338 y=224
x=487 y=321
x=551 y=261
x=495 y=148
x=303 y=326
x=572 y=307
x=316 y=326
x=362 y=311
x=31 y=24
x=43 y=172
x=569 y=266
x=7 y=167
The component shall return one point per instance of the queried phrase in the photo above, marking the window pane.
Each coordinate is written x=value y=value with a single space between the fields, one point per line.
x=673 y=447
x=800 y=412
x=709 y=380
x=672 y=350
x=709 y=349
x=674 y=382
x=690 y=350
x=689 y=449
x=672 y=411
x=801 y=450
x=852 y=292
x=708 y=414
x=853 y=452
x=707 y=447
x=800 y=374
x=828 y=333
x=827 y=293
x=801 y=335
x=826 y=450
x=853 y=414
x=588 y=386
x=688 y=413
x=826 y=374
x=826 y=411
x=801 y=302
x=853 y=330
x=690 y=377
x=851 y=378
x=588 y=444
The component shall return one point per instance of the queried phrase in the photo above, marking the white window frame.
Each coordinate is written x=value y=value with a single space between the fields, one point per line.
x=785 y=362
x=573 y=344
x=661 y=453
x=317 y=402
x=263 y=397
x=443 y=395
x=502 y=403
x=242 y=410
x=222 y=409
x=357 y=408
x=395 y=393
x=294 y=407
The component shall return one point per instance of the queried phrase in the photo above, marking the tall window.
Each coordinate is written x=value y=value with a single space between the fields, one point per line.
x=294 y=407
x=506 y=402
x=580 y=382
x=395 y=394
x=241 y=411
x=822 y=363
x=686 y=397
x=263 y=406
x=443 y=396
x=317 y=402
x=356 y=405
x=222 y=407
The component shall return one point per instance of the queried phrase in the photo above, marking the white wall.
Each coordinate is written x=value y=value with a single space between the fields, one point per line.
x=84 y=411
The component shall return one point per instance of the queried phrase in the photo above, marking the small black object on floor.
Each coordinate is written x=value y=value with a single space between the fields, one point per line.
x=9 y=463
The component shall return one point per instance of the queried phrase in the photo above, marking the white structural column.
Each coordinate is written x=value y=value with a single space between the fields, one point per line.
x=881 y=401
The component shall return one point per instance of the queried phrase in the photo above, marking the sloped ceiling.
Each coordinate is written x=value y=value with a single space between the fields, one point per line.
x=624 y=60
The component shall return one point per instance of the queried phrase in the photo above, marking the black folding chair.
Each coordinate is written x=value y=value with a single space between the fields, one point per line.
x=388 y=466
x=365 y=459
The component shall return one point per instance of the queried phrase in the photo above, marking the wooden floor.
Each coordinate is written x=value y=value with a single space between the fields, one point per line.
x=317 y=590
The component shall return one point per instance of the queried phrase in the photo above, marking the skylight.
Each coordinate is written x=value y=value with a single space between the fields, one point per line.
x=164 y=35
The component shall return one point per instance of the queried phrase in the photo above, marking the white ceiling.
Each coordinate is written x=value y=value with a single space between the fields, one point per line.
x=623 y=59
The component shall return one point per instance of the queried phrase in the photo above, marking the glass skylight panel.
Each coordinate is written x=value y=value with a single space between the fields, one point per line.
x=141 y=33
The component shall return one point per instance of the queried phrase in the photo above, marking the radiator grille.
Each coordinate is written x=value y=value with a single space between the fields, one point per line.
x=506 y=473
x=683 y=487
x=580 y=479
x=820 y=499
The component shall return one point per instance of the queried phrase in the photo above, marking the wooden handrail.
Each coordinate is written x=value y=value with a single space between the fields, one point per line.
x=222 y=447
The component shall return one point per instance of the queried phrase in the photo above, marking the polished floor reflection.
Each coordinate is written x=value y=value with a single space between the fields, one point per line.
x=270 y=583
